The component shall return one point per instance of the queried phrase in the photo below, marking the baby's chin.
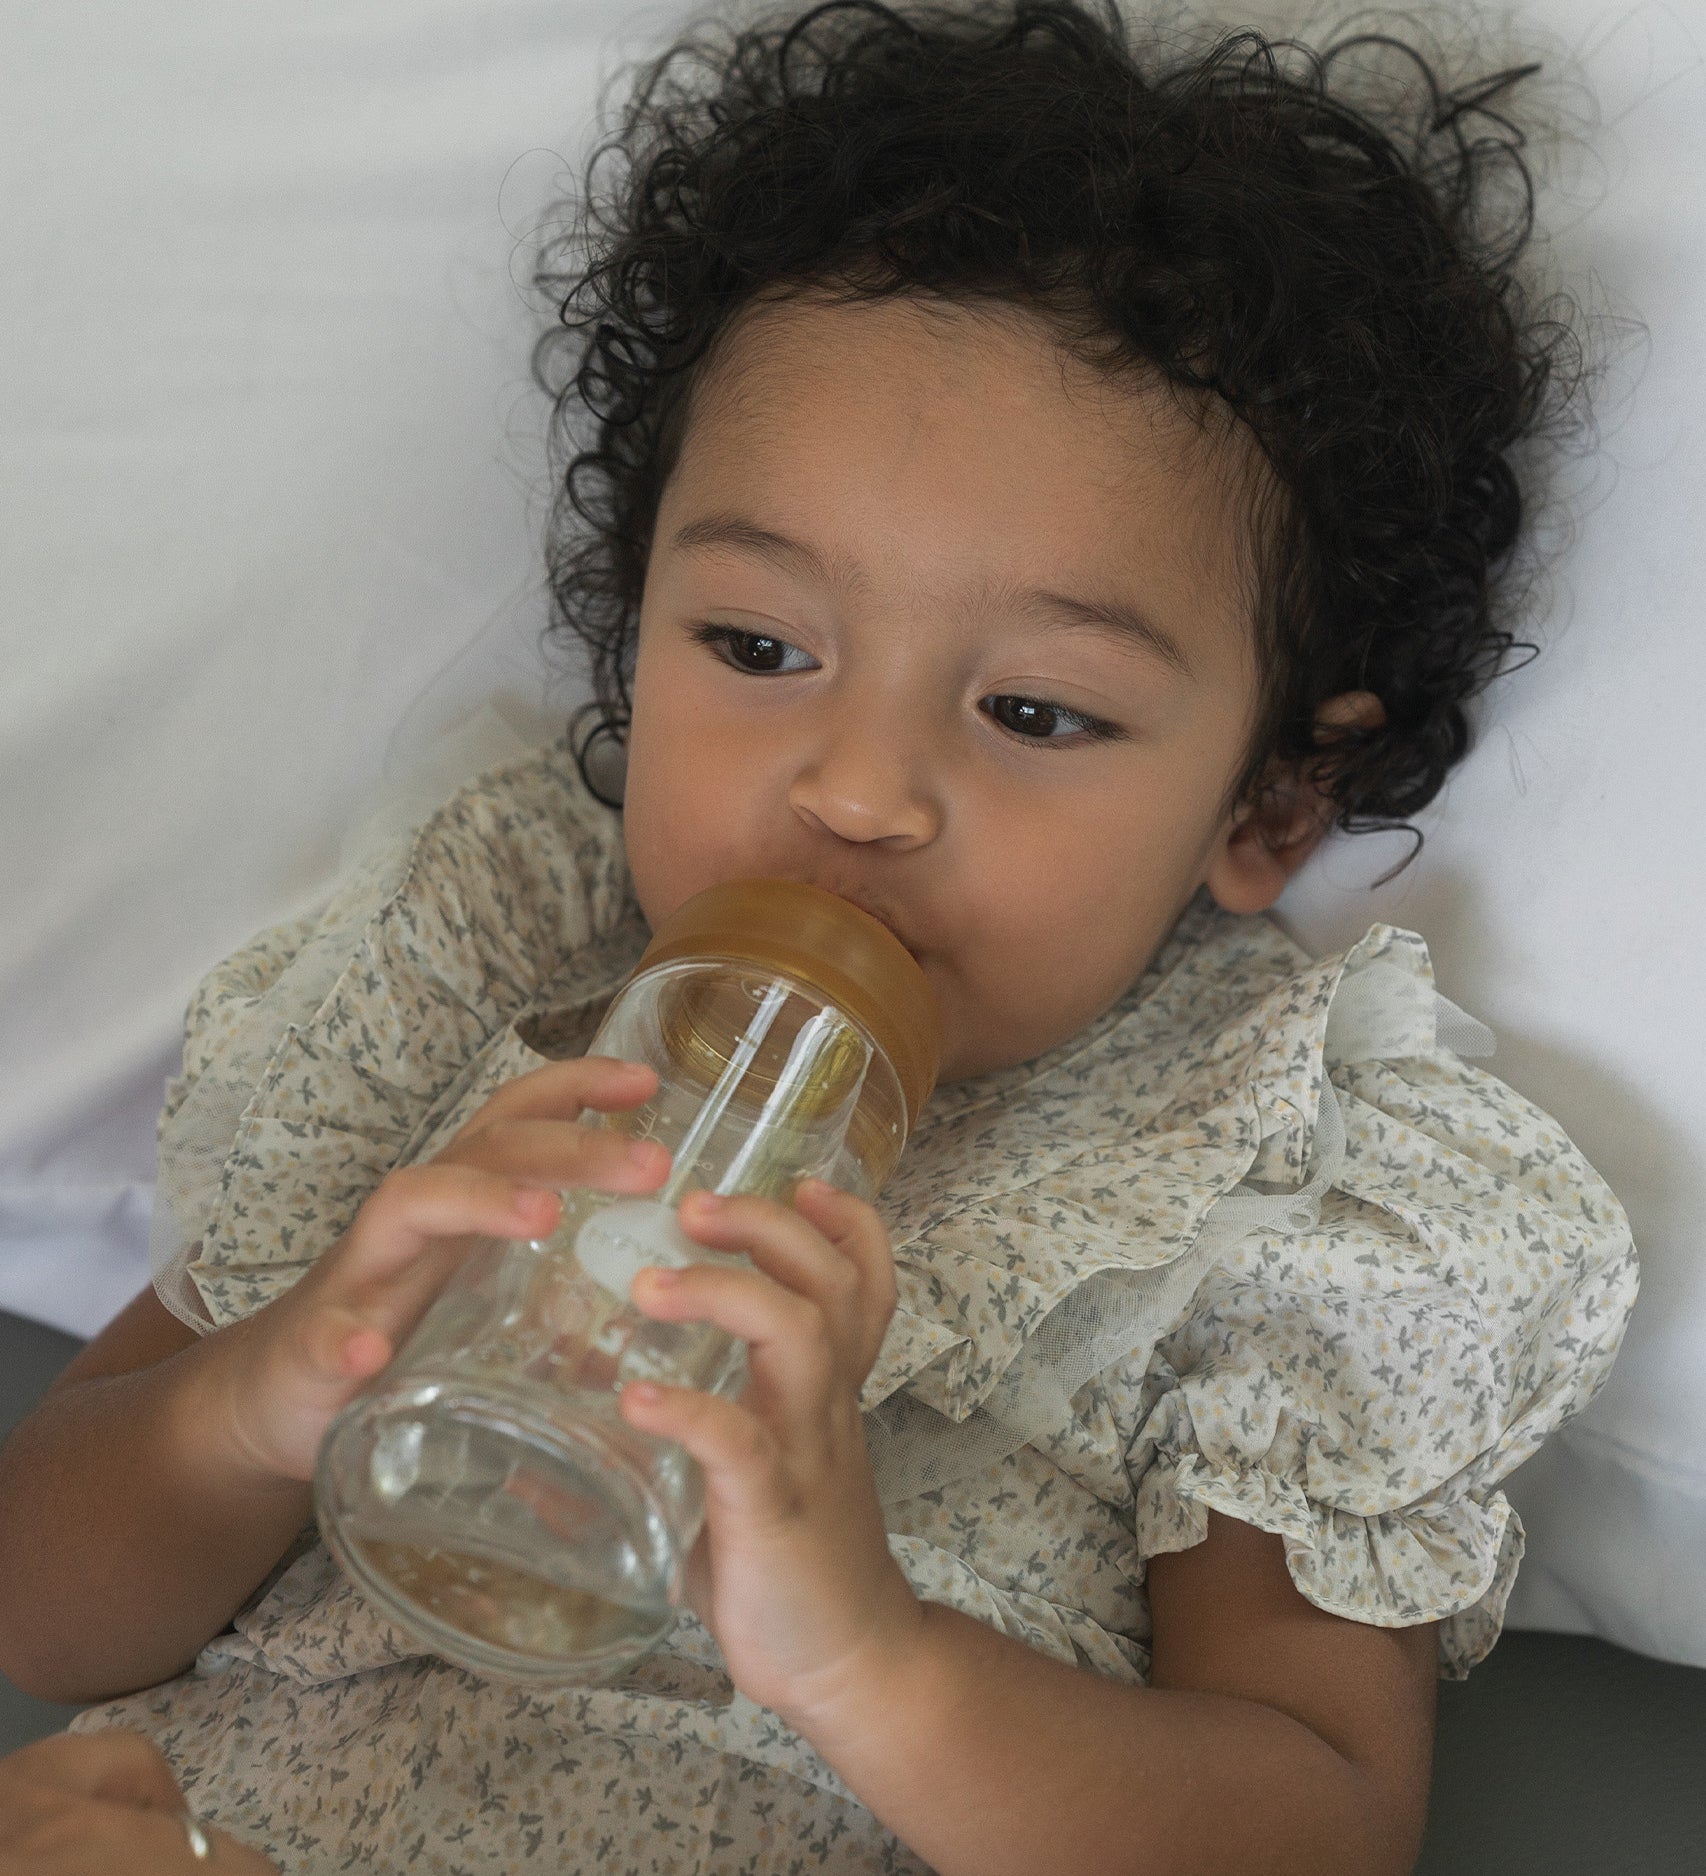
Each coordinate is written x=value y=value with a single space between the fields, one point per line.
x=969 y=1054
x=983 y=1036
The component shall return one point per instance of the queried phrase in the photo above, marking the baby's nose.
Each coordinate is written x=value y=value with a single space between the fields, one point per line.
x=864 y=788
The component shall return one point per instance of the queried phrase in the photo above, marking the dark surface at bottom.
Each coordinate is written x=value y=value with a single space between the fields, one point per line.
x=1565 y=1756
x=1559 y=1756
x=30 y=1356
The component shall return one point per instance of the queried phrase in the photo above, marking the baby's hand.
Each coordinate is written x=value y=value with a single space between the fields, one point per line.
x=793 y=1573
x=91 y=1803
x=287 y=1370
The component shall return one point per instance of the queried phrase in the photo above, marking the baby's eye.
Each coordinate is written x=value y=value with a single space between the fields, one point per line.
x=755 y=652
x=1045 y=722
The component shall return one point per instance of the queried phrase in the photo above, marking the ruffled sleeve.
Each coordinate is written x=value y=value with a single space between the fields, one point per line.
x=232 y=1027
x=328 y=1052
x=1360 y=1383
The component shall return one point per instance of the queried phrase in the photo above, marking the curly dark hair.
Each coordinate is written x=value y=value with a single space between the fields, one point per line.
x=1342 y=275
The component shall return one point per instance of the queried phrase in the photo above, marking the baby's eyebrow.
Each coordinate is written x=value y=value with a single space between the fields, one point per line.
x=788 y=555
x=781 y=550
x=1124 y=623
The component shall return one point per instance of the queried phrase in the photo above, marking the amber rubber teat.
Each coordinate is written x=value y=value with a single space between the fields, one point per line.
x=850 y=958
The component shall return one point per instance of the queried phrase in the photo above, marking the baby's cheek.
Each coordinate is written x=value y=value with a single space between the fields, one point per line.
x=1041 y=993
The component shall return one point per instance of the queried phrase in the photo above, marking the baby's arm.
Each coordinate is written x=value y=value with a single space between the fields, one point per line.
x=164 y=1475
x=130 y=1528
x=1275 y=1739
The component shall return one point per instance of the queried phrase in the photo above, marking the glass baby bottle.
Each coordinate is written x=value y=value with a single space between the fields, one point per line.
x=484 y=1493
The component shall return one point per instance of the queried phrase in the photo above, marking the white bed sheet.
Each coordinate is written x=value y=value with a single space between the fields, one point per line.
x=272 y=488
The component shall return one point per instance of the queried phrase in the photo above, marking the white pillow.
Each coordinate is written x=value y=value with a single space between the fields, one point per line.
x=272 y=472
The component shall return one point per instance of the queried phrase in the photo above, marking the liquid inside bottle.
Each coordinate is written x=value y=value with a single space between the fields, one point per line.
x=500 y=1496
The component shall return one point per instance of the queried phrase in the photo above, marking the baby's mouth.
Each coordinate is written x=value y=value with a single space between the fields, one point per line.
x=880 y=914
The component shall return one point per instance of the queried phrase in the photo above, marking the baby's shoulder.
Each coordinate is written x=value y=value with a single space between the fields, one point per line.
x=1243 y=975
x=525 y=825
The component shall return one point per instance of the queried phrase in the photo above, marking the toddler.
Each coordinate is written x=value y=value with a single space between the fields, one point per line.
x=1034 y=483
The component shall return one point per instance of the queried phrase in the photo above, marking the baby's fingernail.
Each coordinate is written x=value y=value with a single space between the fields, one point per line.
x=661 y=1277
x=363 y=1351
x=704 y=1202
x=644 y=1392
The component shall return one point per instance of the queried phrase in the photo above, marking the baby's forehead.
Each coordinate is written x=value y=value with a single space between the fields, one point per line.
x=778 y=343
x=786 y=369
x=982 y=422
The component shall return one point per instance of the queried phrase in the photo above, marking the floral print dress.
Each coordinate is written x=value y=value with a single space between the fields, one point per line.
x=1255 y=1241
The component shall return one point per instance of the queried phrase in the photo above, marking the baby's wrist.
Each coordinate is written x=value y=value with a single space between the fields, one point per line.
x=209 y=1421
x=862 y=1685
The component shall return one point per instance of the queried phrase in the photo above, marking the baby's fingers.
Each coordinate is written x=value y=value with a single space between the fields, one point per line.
x=790 y=1345
x=829 y=1249
x=419 y=1206
x=342 y=1345
x=348 y=1314
x=290 y=1368
x=564 y=1091
x=855 y=1230
x=116 y=1764
x=745 y=1473
x=560 y=1153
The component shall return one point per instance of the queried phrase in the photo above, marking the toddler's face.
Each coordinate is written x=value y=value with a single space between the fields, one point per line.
x=939 y=620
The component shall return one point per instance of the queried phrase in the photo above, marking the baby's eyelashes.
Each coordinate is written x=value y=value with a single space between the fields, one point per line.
x=1036 y=721
x=759 y=654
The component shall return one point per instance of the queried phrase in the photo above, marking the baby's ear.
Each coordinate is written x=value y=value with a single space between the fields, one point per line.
x=1267 y=839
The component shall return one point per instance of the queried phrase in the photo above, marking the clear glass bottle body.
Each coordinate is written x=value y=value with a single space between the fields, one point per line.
x=486 y=1494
